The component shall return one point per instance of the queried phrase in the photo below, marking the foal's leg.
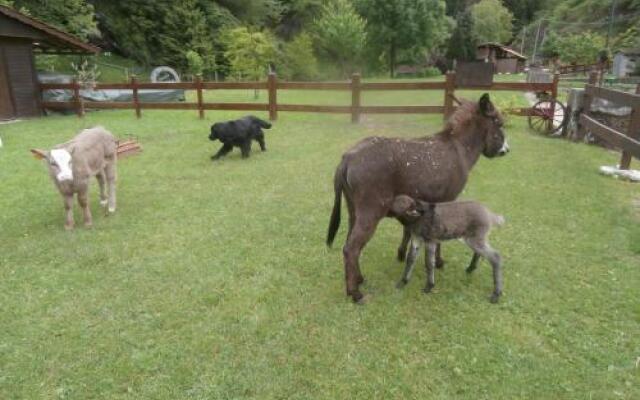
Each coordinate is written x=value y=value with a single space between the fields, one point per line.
x=474 y=263
x=430 y=264
x=100 y=177
x=361 y=233
x=226 y=148
x=402 y=249
x=439 y=260
x=481 y=247
x=412 y=254
x=111 y=176
x=352 y=218
x=68 y=209
x=83 y=200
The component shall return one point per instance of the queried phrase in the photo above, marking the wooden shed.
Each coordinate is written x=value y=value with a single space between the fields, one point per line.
x=504 y=59
x=20 y=37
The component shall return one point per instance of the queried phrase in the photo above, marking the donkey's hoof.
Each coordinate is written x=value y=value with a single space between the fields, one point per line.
x=89 y=225
x=401 y=284
x=362 y=301
x=401 y=255
x=68 y=227
x=470 y=269
x=495 y=297
x=427 y=289
x=440 y=263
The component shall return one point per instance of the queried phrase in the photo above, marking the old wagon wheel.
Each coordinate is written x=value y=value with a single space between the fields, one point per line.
x=548 y=116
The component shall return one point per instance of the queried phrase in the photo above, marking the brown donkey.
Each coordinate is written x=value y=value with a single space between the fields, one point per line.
x=433 y=169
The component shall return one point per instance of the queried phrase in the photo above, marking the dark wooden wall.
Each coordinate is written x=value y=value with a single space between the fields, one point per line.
x=20 y=76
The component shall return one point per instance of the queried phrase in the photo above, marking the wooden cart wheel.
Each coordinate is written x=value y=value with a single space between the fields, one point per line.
x=548 y=117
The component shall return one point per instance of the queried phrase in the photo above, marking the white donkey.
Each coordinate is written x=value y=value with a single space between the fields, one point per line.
x=93 y=152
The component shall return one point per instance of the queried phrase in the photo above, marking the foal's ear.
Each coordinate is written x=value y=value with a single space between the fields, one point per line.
x=39 y=154
x=485 y=106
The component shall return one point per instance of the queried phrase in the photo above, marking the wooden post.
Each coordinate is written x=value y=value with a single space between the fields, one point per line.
x=449 y=92
x=554 y=97
x=77 y=99
x=272 y=85
x=355 y=98
x=136 y=101
x=586 y=104
x=198 y=83
x=633 y=132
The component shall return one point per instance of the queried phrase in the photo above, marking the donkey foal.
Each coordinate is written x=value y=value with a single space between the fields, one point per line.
x=431 y=223
x=93 y=152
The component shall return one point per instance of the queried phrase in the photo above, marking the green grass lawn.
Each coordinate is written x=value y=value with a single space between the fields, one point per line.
x=213 y=281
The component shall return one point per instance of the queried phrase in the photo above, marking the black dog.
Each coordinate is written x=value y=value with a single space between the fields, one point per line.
x=239 y=133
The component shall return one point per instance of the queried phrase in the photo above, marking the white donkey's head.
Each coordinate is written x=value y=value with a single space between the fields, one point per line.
x=59 y=161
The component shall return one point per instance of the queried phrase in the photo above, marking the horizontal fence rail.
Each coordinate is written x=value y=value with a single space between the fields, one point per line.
x=272 y=86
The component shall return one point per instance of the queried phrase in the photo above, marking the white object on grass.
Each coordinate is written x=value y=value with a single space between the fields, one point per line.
x=626 y=174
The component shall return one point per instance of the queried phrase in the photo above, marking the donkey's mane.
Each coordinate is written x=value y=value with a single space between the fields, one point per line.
x=461 y=117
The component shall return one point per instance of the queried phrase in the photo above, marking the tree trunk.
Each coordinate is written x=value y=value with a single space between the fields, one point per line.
x=392 y=59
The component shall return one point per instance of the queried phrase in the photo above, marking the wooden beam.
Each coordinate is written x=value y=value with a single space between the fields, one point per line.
x=612 y=136
x=615 y=96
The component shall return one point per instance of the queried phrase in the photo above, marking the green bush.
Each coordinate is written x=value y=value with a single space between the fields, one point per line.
x=299 y=61
x=430 y=71
x=195 y=64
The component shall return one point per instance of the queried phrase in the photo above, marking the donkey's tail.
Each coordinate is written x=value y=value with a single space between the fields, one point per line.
x=497 y=220
x=338 y=182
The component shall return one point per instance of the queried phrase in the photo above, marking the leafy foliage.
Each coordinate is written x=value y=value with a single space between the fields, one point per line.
x=581 y=48
x=410 y=26
x=492 y=21
x=73 y=16
x=462 y=44
x=340 y=34
x=299 y=60
x=249 y=53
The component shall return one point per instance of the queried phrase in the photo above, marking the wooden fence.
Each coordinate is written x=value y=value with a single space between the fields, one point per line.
x=273 y=85
x=628 y=141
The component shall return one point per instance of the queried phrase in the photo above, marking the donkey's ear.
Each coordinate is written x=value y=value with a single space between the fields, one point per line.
x=485 y=106
x=39 y=154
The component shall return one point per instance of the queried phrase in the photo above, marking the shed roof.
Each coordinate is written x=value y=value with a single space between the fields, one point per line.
x=45 y=37
x=504 y=48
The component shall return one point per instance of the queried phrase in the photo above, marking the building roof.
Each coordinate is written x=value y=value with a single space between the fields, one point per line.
x=49 y=39
x=505 y=49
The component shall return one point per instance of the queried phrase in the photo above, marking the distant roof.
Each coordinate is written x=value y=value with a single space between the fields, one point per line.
x=504 y=48
x=51 y=40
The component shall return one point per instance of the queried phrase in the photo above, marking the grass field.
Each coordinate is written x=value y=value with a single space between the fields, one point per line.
x=212 y=280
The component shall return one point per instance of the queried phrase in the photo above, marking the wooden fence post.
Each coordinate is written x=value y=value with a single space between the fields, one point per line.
x=77 y=99
x=355 y=98
x=272 y=85
x=136 y=101
x=593 y=78
x=586 y=104
x=633 y=132
x=449 y=92
x=199 y=91
x=554 y=96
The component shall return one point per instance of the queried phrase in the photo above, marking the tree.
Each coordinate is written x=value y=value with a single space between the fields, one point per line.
x=462 y=44
x=250 y=54
x=72 y=16
x=412 y=26
x=583 y=48
x=492 y=22
x=341 y=34
x=299 y=61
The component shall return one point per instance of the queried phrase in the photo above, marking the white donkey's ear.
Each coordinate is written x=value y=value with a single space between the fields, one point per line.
x=39 y=154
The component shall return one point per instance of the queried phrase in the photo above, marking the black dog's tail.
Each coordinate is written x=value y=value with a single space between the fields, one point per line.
x=338 y=181
x=262 y=123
